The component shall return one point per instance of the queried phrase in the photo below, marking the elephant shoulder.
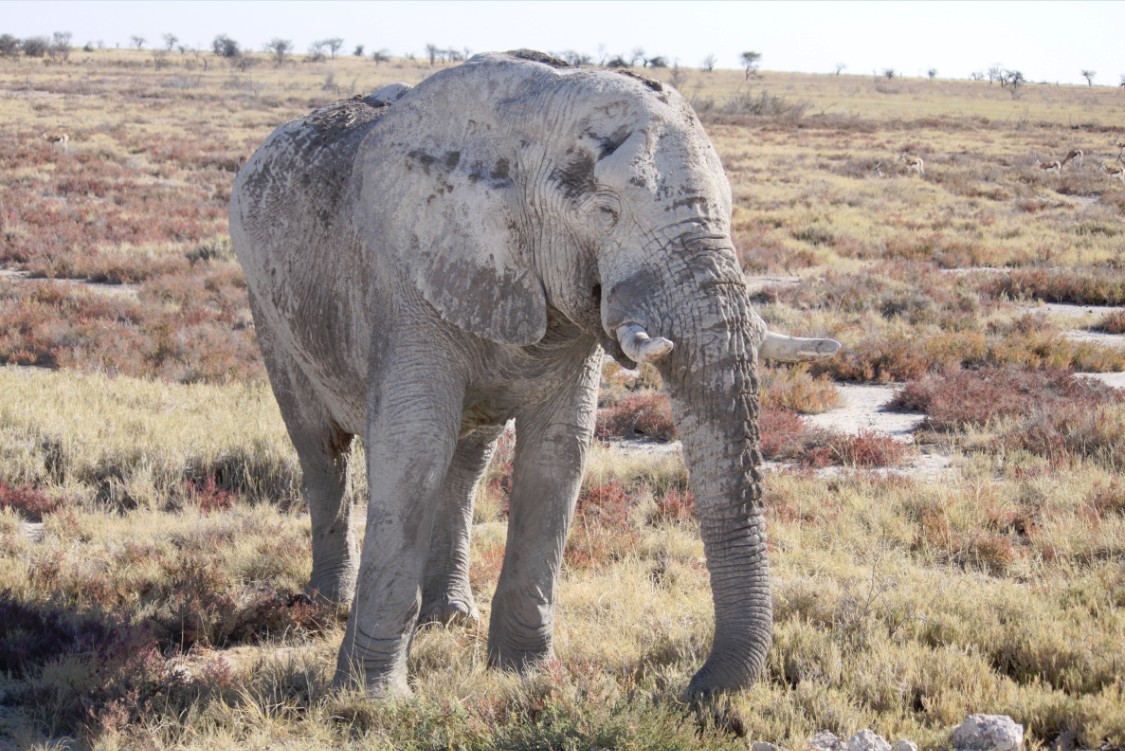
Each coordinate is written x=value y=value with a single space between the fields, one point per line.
x=306 y=162
x=343 y=120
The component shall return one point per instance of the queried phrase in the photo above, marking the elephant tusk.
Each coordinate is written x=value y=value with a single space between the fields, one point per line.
x=794 y=348
x=639 y=346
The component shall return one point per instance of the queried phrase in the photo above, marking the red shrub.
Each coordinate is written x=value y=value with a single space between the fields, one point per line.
x=647 y=414
x=787 y=437
x=27 y=501
x=1057 y=285
x=207 y=495
x=960 y=398
x=870 y=449
x=1112 y=322
x=674 y=506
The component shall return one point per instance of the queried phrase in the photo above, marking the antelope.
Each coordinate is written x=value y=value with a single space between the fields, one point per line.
x=1075 y=154
x=1054 y=164
x=913 y=163
x=1120 y=147
x=57 y=139
x=1115 y=170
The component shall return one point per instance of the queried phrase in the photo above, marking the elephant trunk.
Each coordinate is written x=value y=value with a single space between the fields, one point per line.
x=711 y=376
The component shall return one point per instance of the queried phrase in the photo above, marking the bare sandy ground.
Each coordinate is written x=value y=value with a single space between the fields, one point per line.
x=122 y=290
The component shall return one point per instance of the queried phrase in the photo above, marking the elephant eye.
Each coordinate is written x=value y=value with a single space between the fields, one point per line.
x=606 y=210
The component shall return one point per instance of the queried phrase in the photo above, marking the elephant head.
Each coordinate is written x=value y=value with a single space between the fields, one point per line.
x=514 y=188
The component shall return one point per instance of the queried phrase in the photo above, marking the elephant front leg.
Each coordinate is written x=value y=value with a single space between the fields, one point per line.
x=552 y=441
x=446 y=595
x=411 y=434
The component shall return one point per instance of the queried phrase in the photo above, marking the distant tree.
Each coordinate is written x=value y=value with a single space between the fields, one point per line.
x=575 y=58
x=279 y=48
x=358 y=50
x=1122 y=84
x=36 y=46
x=137 y=41
x=636 y=56
x=1013 y=80
x=976 y=75
x=224 y=46
x=678 y=77
x=888 y=72
x=1089 y=76
x=9 y=45
x=170 y=41
x=316 y=50
x=656 y=62
x=334 y=44
x=995 y=73
x=617 y=61
x=432 y=53
x=380 y=56
x=60 y=45
x=750 y=62
x=708 y=64
x=840 y=67
x=931 y=73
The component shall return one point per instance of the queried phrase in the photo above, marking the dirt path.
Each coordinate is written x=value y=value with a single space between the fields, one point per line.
x=117 y=290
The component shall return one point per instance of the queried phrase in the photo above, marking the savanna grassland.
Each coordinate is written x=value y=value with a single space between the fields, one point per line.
x=152 y=539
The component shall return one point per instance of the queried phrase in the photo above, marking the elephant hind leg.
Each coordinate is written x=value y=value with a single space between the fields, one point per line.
x=324 y=451
x=446 y=595
x=324 y=465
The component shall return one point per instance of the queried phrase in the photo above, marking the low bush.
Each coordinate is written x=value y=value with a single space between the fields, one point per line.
x=646 y=414
x=964 y=398
x=1058 y=285
x=29 y=502
x=1111 y=323
x=787 y=437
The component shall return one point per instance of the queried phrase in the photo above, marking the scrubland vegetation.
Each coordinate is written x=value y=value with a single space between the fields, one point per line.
x=152 y=539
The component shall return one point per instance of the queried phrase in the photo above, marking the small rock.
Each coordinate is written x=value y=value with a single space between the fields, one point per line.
x=826 y=741
x=984 y=732
x=763 y=746
x=905 y=745
x=867 y=740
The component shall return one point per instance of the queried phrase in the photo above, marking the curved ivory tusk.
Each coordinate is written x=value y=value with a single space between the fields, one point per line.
x=638 y=346
x=794 y=348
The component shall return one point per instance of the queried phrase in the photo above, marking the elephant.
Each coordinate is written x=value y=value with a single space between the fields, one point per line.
x=426 y=264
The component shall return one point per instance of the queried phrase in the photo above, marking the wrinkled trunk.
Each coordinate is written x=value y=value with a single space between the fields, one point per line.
x=712 y=379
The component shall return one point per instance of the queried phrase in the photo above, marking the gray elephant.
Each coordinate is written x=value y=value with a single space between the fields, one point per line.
x=426 y=264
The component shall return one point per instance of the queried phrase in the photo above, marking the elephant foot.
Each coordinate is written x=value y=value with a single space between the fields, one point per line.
x=448 y=612
x=332 y=589
x=518 y=660
x=336 y=602
x=387 y=689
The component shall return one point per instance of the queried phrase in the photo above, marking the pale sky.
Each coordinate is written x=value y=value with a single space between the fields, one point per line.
x=1047 y=40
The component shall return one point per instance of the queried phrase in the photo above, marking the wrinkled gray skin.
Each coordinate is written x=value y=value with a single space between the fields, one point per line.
x=428 y=263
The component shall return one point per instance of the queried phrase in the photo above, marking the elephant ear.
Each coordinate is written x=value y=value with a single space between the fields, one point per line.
x=444 y=207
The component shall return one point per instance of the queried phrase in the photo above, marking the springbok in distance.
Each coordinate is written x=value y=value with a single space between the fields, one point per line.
x=913 y=163
x=1120 y=148
x=1054 y=164
x=1115 y=170
x=1075 y=154
x=57 y=139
